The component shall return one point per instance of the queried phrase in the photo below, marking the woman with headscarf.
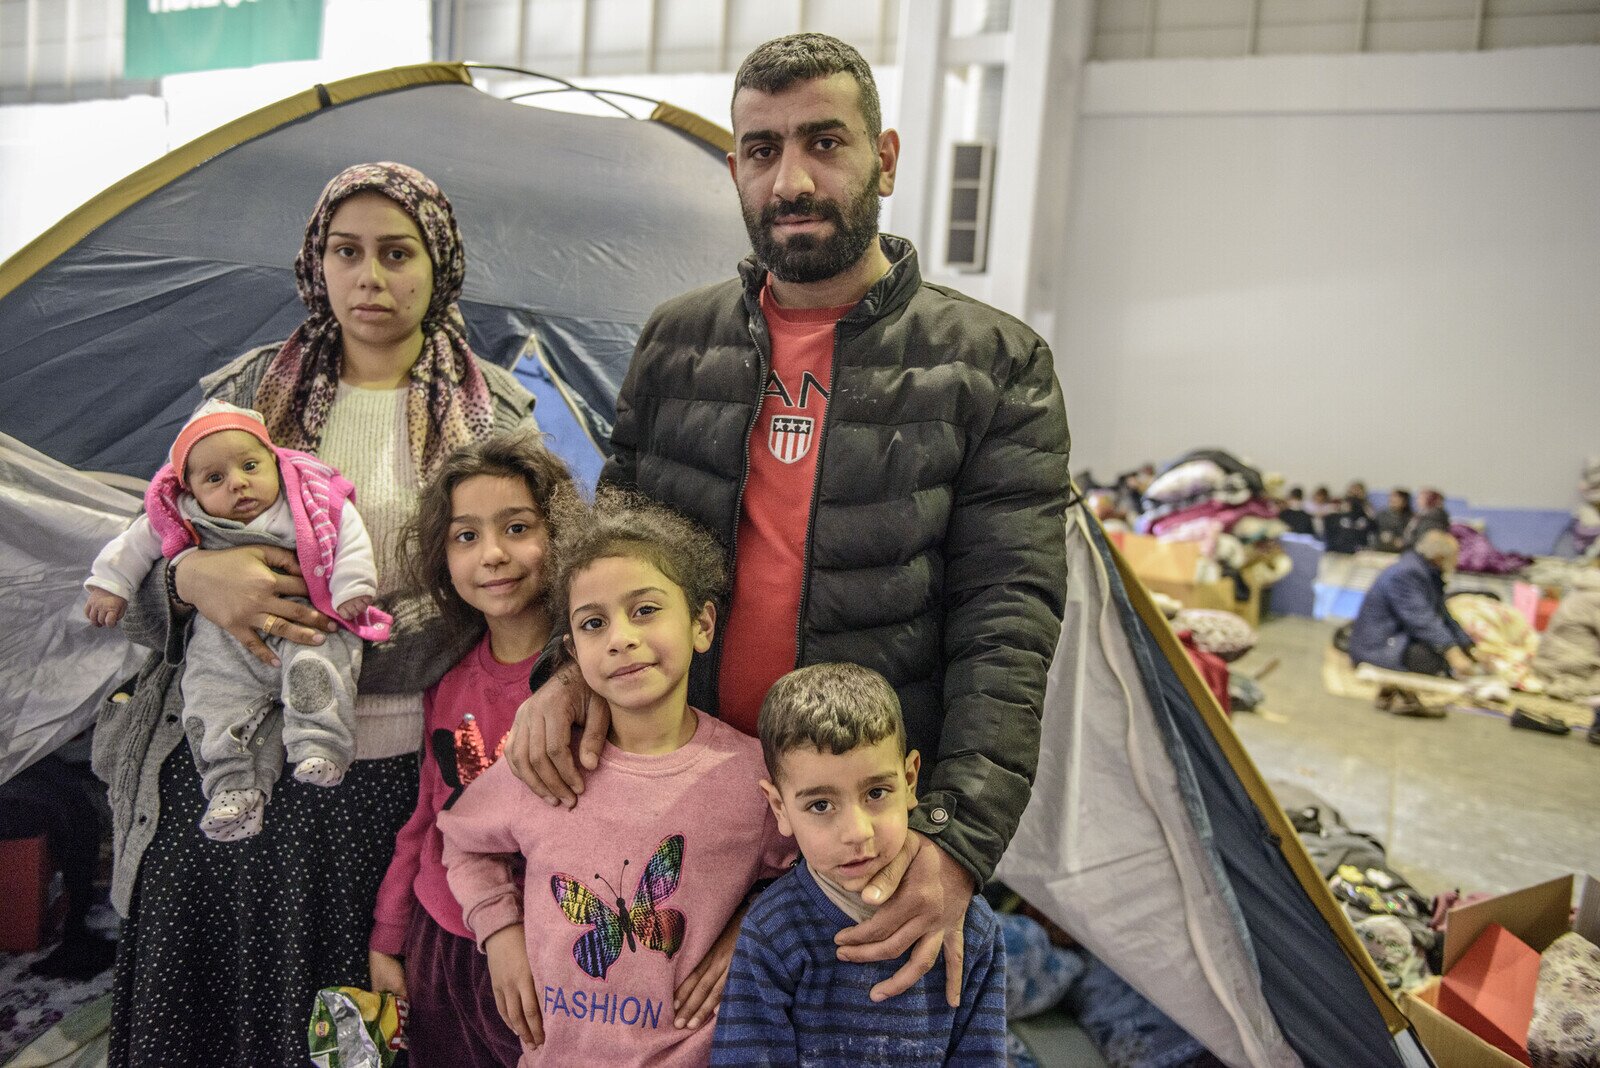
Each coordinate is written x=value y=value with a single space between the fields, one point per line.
x=225 y=944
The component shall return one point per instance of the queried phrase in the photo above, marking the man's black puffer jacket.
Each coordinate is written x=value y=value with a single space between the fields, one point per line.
x=936 y=550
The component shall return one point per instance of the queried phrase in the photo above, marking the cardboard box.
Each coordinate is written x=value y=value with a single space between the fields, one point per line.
x=1218 y=594
x=1490 y=990
x=1154 y=560
x=1537 y=915
x=1450 y=1044
x=1169 y=567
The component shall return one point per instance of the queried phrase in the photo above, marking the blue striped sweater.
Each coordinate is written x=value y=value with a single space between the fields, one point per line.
x=790 y=1001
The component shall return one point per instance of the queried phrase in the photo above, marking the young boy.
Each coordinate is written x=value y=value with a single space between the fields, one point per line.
x=842 y=783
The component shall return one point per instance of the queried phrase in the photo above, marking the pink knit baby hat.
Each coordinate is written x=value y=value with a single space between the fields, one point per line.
x=212 y=417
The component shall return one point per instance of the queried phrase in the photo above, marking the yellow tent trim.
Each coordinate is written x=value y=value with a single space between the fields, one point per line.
x=1289 y=844
x=107 y=205
x=694 y=125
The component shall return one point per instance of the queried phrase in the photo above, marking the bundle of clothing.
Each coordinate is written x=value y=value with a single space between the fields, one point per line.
x=1394 y=921
x=1565 y=1030
x=1044 y=969
x=1501 y=637
x=1220 y=633
x=1479 y=556
x=1213 y=639
x=1586 y=517
x=1567 y=660
x=1212 y=498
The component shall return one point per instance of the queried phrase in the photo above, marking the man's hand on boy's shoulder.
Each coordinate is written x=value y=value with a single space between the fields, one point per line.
x=925 y=895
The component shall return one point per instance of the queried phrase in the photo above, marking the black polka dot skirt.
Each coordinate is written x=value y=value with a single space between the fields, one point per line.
x=228 y=942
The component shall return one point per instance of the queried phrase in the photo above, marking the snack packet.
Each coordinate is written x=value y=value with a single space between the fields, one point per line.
x=354 y=1028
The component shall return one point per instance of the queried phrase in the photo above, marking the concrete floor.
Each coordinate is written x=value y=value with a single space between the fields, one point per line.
x=1462 y=802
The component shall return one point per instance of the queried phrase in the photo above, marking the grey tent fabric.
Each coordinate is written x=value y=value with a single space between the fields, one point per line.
x=54 y=666
x=1142 y=843
x=576 y=227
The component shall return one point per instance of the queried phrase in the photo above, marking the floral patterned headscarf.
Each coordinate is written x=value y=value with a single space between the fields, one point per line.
x=448 y=403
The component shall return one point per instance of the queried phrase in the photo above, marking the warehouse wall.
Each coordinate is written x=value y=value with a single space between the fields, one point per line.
x=1384 y=266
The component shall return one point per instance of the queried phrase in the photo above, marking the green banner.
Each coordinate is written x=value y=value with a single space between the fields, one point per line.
x=172 y=36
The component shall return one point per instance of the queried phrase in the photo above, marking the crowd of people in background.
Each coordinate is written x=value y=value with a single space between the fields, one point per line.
x=1346 y=524
x=1404 y=624
x=1351 y=524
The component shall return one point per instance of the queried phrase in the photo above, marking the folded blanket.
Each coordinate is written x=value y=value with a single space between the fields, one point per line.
x=1565 y=1032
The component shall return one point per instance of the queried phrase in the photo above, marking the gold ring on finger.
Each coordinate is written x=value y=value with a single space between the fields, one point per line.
x=270 y=624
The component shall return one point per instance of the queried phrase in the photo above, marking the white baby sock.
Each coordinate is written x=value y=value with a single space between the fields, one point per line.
x=233 y=815
x=318 y=771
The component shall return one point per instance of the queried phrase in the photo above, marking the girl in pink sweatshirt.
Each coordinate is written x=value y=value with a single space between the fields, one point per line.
x=477 y=545
x=626 y=893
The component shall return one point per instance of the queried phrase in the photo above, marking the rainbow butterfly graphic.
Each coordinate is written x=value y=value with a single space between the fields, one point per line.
x=659 y=929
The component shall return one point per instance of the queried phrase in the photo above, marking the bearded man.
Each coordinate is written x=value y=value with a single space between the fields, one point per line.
x=886 y=462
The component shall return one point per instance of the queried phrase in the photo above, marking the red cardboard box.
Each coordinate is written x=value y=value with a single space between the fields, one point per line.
x=1490 y=990
x=1537 y=915
x=1450 y=1044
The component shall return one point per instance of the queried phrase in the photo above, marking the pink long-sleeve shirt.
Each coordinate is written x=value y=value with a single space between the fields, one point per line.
x=626 y=891
x=489 y=691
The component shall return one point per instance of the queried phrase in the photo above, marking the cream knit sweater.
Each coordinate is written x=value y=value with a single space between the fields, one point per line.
x=365 y=438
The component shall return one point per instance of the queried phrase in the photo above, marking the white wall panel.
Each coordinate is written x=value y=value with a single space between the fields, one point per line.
x=688 y=36
x=1521 y=31
x=53 y=157
x=1258 y=260
x=752 y=22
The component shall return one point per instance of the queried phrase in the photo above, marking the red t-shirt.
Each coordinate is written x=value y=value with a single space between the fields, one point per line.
x=761 y=631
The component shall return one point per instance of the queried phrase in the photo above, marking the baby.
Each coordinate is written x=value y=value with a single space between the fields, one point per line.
x=227 y=485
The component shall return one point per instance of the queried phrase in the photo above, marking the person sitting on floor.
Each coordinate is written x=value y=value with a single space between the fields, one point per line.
x=1294 y=514
x=1431 y=515
x=1568 y=658
x=1350 y=528
x=1392 y=522
x=1404 y=625
x=1321 y=503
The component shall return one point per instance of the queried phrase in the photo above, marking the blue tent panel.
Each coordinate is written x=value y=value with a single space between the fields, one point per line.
x=565 y=433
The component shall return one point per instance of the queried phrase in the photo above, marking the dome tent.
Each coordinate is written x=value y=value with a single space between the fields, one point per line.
x=1154 y=841
x=1150 y=836
x=575 y=228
